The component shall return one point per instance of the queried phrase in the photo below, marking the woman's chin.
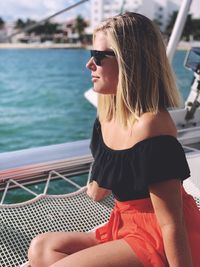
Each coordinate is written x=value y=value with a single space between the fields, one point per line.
x=102 y=91
x=98 y=91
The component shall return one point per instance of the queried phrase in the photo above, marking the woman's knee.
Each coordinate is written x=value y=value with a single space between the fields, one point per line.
x=39 y=249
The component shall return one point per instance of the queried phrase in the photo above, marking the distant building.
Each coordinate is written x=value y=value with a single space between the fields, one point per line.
x=3 y=35
x=103 y=9
x=158 y=10
x=163 y=10
x=67 y=32
x=9 y=30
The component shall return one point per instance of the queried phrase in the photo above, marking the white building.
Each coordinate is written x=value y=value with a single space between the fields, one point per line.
x=103 y=9
x=159 y=10
x=163 y=10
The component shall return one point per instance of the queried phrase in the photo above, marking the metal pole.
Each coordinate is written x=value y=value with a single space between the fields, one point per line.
x=122 y=7
x=44 y=20
x=178 y=28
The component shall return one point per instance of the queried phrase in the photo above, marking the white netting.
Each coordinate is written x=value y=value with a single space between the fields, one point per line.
x=19 y=223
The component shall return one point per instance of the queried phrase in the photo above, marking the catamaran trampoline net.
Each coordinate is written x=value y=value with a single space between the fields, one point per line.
x=19 y=223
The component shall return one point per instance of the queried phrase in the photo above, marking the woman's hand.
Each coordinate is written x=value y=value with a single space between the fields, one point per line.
x=97 y=193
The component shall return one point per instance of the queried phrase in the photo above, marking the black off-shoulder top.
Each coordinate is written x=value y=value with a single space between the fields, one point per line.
x=129 y=172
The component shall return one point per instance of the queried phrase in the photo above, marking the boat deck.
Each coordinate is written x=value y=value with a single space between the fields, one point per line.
x=68 y=212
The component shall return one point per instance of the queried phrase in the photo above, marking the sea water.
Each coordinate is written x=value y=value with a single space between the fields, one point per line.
x=42 y=96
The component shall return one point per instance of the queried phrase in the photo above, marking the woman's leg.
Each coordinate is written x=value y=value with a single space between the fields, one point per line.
x=48 y=248
x=111 y=254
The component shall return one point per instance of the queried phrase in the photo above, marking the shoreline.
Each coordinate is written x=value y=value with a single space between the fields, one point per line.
x=40 y=46
x=181 y=46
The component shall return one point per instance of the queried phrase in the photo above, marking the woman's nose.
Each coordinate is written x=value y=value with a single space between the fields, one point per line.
x=90 y=64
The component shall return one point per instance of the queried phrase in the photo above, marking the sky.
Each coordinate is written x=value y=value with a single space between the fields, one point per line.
x=11 y=10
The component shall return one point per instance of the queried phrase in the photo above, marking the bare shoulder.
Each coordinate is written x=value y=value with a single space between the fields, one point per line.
x=150 y=125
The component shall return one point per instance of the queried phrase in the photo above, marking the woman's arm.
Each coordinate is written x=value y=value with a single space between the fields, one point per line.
x=96 y=192
x=167 y=202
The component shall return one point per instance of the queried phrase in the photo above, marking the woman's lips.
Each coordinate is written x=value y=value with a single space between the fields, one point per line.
x=95 y=78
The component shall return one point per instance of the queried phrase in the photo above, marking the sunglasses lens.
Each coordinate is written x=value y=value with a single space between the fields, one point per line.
x=96 y=56
x=97 y=60
x=99 y=55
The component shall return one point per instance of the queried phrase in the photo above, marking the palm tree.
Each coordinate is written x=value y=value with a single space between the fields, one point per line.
x=171 y=22
x=80 y=26
x=20 y=24
x=2 y=23
x=188 y=29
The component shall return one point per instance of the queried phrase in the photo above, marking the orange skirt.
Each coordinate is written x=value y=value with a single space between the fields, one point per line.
x=136 y=223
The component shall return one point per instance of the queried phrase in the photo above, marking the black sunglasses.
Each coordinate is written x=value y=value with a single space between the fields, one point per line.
x=99 y=55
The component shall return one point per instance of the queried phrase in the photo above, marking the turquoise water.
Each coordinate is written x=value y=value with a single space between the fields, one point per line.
x=42 y=100
x=41 y=96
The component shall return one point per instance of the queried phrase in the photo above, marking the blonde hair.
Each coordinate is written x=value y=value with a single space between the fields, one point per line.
x=146 y=82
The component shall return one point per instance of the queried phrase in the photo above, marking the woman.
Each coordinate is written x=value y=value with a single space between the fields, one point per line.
x=136 y=156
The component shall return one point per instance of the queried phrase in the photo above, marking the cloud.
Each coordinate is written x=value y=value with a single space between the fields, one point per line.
x=11 y=10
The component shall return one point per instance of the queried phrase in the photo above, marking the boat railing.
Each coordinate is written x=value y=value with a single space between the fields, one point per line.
x=189 y=135
x=20 y=169
x=21 y=163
